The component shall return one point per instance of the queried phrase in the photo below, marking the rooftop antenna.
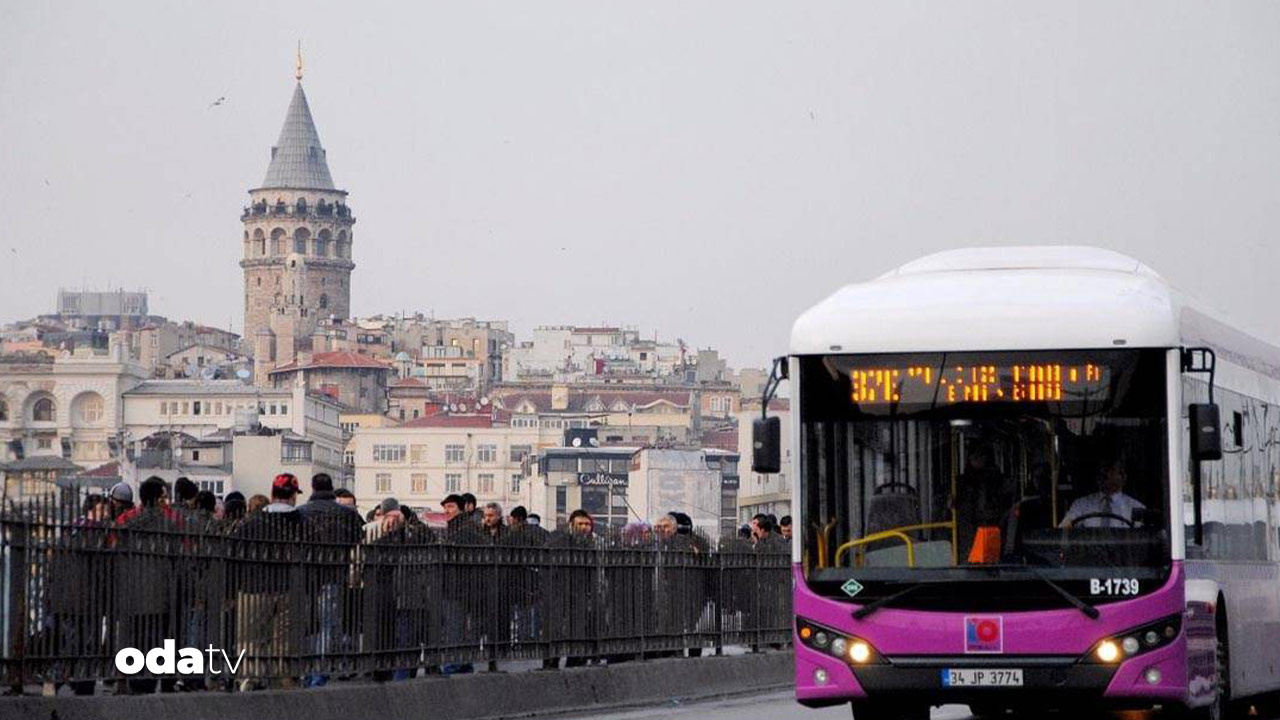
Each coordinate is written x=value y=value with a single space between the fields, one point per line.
x=298 y=72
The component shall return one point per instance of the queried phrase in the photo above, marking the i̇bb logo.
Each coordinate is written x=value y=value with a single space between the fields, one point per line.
x=984 y=634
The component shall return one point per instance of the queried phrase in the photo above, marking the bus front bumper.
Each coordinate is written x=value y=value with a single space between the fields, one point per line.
x=1046 y=681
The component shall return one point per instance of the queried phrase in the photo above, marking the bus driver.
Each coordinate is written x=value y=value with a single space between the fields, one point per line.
x=1103 y=509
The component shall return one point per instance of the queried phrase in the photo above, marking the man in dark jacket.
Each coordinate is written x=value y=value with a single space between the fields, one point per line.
x=340 y=528
x=326 y=515
x=459 y=527
x=491 y=523
x=470 y=510
x=521 y=532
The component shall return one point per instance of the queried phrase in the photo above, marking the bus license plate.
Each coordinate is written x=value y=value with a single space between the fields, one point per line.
x=974 y=677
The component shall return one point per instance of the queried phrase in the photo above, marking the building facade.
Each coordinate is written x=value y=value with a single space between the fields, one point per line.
x=622 y=485
x=357 y=381
x=297 y=245
x=422 y=461
x=195 y=412
x=102 y=310
x=66 y=406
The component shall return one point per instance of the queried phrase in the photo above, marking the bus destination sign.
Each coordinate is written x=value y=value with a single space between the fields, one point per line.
x=979 y=383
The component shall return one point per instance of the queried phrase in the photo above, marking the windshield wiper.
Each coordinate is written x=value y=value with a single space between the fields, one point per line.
x=1090 y=611
x=875 y=605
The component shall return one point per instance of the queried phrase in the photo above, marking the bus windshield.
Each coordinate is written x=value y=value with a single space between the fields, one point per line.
x=959 y=467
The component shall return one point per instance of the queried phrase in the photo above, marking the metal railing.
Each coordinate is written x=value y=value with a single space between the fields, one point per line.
x=319 y=598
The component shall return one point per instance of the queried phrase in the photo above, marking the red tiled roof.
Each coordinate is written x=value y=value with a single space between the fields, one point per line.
x=408 y=382
x=336 y=360
x=723 y=439
x=108 y=470
x=451 y=421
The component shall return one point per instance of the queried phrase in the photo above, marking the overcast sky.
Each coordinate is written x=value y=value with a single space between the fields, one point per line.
x=706 y=170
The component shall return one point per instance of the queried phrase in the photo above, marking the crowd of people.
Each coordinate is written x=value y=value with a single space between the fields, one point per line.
x=188 y=507
x=333 y=581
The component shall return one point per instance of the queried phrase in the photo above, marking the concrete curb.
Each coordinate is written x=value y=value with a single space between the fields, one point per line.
x=474 y=697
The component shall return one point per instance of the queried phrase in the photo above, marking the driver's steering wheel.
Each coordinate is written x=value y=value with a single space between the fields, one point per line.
x=1113 y=516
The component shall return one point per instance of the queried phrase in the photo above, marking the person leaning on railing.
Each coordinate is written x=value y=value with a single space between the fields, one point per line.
x=150 y=550
x=340 y=528
x=264 y=609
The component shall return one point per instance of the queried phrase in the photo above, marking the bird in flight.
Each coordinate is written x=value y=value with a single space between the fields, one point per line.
x=219 y=101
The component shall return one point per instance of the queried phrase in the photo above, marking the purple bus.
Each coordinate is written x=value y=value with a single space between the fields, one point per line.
x=1029 y=478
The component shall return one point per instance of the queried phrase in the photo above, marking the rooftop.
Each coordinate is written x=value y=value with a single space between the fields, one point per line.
x=298 y=159
x=203 y=387
x=41 y=462
x=451 y=421
x=341 y=359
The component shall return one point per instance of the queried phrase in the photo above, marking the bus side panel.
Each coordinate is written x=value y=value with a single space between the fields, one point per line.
x=1253 y=620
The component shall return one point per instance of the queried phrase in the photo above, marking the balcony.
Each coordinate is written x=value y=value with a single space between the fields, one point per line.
x=301 y=210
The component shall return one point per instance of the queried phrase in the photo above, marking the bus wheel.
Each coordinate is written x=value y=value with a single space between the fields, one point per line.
x=1221 y=706
x=887 y=711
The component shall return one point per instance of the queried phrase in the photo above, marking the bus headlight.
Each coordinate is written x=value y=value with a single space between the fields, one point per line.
x=859 y=652
x=1107 y=651
x=1136 y=641
x=838 y=646
x=852 y=650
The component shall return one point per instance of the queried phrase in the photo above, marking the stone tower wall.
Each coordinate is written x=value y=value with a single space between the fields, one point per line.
x=309 y=283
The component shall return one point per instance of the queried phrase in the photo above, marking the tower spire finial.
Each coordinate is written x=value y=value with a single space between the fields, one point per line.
x=298 y=73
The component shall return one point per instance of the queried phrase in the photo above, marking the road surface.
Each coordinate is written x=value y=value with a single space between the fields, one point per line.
x=782 y=706
x=778 y=706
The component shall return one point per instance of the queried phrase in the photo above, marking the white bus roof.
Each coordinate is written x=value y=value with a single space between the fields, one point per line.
x=1011 y=298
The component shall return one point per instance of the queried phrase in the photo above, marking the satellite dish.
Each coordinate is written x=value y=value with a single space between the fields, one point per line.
x=595 y=442
x=453 y=408
x=193 y=370
x=462 y=407
x=484 y=401
x=209 y=373
x=577 y=442
x=243 y=374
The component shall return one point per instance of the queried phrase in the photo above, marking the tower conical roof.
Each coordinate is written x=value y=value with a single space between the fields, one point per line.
x=297 y=160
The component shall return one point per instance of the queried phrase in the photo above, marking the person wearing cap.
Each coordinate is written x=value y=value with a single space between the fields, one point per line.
x=120 y=498
x=264 y=611
x=387 y=518
x=459 y=528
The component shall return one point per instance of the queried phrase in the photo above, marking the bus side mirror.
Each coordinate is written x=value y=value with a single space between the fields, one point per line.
x=766 y=445
x=1206 y=433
